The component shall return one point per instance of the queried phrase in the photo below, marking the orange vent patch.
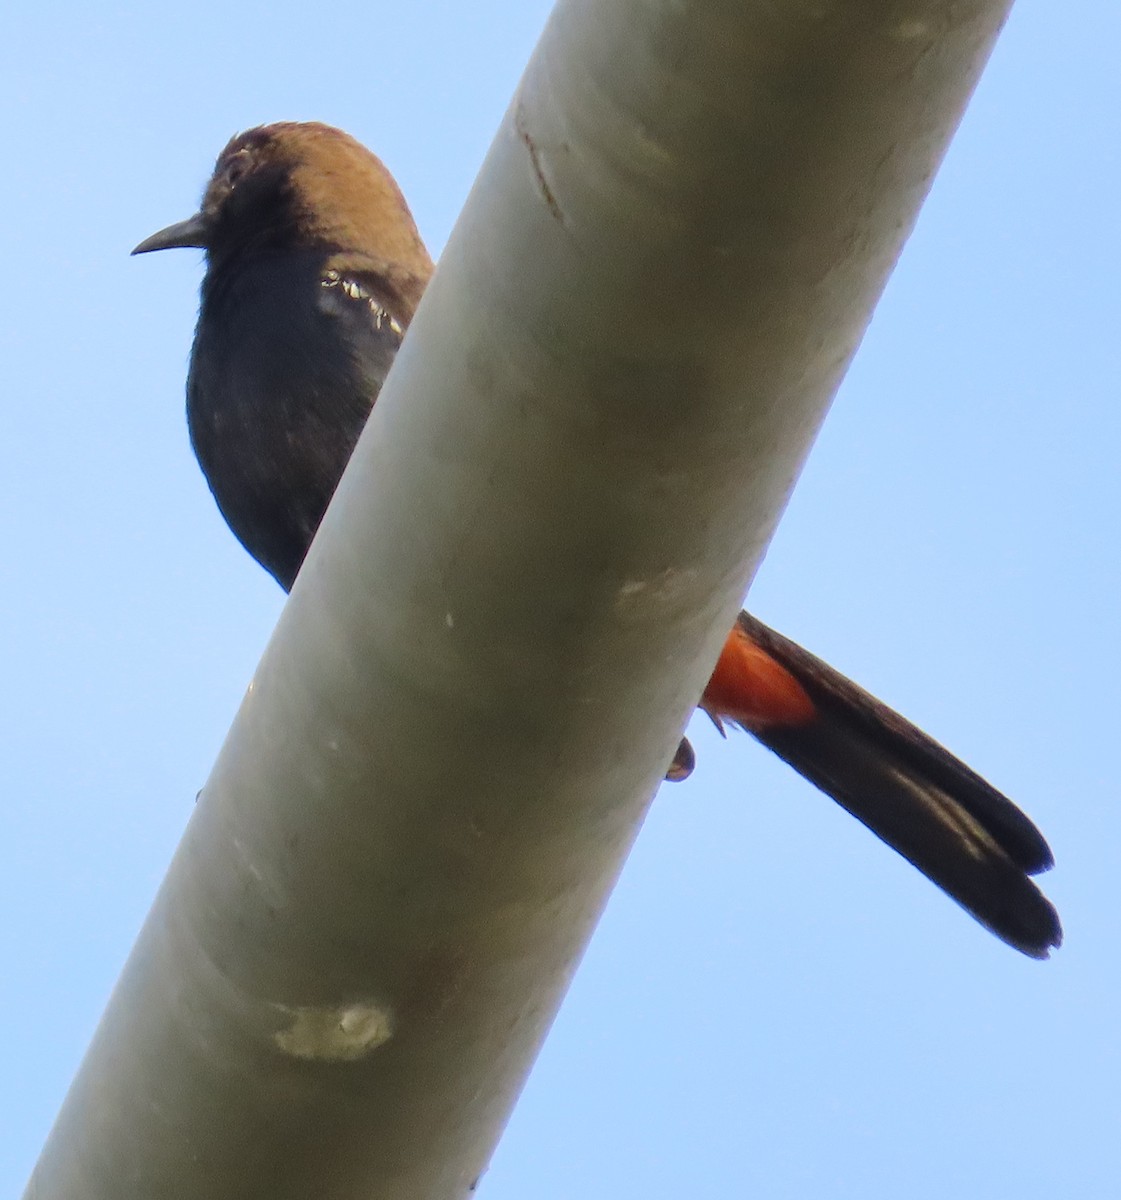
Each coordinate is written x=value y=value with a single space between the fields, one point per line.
x=752 y=689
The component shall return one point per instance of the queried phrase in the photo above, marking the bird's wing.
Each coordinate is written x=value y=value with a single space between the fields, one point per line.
x=389 y=288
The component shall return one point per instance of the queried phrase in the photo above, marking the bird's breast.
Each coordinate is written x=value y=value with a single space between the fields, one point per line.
x=279 y=390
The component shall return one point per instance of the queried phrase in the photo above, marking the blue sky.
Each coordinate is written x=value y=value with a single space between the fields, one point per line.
x=774 y=1004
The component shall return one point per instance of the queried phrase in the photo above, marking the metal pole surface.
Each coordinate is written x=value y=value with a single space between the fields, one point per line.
x=666 y=264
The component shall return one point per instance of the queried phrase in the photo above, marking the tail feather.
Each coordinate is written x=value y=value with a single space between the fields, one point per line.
x=963 y=834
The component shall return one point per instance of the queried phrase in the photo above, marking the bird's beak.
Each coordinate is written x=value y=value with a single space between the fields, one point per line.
x=191 y=232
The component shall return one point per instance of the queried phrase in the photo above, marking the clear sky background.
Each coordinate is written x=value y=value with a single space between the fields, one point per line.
x=774 y=1005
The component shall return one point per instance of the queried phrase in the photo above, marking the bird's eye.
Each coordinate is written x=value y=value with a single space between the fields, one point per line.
x=236 y=168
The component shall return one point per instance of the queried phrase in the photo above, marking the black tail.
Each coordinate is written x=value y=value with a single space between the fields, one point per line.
x=963 y=834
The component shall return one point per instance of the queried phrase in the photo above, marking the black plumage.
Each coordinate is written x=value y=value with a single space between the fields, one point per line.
x=314 y=271
x=303 y=307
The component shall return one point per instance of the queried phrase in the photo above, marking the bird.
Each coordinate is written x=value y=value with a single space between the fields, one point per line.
x=313 y=270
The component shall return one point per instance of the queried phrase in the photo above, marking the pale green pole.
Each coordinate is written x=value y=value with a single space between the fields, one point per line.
x=664 y=268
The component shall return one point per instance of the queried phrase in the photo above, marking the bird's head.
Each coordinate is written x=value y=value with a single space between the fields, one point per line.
x=298 y=186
